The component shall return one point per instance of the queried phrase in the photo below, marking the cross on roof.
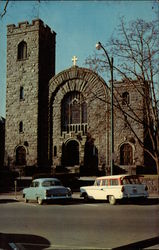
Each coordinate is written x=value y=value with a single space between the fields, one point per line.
x=74 y=60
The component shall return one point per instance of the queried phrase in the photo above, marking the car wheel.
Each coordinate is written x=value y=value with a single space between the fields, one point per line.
x=86 y=198
x=112 y=200
x=26 y=200
x=40 y=201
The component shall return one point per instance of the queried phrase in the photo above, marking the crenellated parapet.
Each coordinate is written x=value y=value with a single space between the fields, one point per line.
x=28 y=27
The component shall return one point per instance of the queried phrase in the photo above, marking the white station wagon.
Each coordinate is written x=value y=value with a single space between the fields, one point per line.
x=115 y=187
x=44 y=189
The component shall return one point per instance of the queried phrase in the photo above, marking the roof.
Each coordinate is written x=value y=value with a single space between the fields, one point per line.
x=46 y=179
x=114 y=176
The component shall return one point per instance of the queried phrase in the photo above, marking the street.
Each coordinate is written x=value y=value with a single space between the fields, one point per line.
x=78 y=225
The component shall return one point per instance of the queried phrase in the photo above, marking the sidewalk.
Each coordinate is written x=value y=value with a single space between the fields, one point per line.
x=19 y=197
x=76 y=195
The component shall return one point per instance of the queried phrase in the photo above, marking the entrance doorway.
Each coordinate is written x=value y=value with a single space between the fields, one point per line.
x=20 y=156
x=70 y=153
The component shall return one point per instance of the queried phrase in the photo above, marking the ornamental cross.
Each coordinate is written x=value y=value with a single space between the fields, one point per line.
x=74 y=60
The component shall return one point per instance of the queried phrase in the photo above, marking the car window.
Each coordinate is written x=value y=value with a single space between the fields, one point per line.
x=97 y=182
x=51 y=183
x=35 y=184
x=131 y=180
x=126 y=181
x=114 y=182
x=104 y=183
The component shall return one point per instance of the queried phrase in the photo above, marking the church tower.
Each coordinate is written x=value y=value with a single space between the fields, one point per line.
x=30 y=66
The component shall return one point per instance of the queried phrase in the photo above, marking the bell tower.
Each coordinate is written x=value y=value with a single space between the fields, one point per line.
x=30 y=66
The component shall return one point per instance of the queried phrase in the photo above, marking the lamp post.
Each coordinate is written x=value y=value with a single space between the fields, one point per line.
x=110 y=61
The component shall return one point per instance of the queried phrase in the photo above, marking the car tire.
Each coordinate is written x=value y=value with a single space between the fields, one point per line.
x=40 y=201
x=112 y=200
x=26 y=200
x=86 y=198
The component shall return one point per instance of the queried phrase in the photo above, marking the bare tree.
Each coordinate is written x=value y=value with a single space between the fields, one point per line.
x=136 y=54
x=6 y=7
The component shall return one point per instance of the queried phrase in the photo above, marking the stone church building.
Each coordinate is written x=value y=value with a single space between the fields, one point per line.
x=62 y=121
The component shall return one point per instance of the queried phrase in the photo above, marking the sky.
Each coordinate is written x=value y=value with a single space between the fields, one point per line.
x=79 y=25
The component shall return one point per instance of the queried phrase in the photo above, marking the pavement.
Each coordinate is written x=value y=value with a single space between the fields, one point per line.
x=76 y=195
x=17 y=196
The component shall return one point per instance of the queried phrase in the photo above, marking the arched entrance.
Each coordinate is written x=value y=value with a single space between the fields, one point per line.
x=70 y=153
x=20 y=156
x=73 y=112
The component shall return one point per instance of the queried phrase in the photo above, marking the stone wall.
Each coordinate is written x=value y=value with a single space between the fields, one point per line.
x=94 y=90
x=122 y=132
x=25 y=73
x=42 y=125
x=152 y=182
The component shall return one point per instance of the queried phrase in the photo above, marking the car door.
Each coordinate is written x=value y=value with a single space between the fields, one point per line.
x=32 y=193
x=98 y=190
x=102 y=189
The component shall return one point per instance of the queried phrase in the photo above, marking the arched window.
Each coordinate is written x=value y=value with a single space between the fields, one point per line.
x=125 y=98
x=74 y=113
x=22 y=50
x=21 y=127
x=126 y=154
x=20 y=156
x=21 y=93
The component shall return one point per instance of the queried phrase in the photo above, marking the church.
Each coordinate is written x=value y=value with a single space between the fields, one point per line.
x=62 y=122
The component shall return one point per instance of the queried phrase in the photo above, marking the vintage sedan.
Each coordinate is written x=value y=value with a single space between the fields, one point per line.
x=45 y=189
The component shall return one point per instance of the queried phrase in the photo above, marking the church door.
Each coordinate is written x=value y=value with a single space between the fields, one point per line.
x=70 y=153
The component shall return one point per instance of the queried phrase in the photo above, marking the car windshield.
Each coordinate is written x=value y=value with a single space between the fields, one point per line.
x=51 y=183
x=131 y=180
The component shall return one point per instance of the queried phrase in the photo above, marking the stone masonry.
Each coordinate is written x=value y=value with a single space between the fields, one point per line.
x=32 y=73
x=63 y=120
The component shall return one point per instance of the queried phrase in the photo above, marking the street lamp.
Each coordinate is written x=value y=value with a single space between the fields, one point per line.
x=110 y=62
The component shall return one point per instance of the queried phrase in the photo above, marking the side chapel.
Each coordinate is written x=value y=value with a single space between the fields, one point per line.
x=62 y=121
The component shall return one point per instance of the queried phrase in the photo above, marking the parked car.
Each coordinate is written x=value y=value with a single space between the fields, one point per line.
x=44 y=189
x=115 y=187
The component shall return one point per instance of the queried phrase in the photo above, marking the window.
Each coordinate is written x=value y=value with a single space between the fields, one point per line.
x=125 y=98
x=97 y=183
x=35 y=184
x=114 y=182
x=74 y=113
x=21 y=93
x=126 y=154
x=131 y=180
x=51 y=183
x=21 y=127
x=104 y=183
x=55 y=151
x=22 y=50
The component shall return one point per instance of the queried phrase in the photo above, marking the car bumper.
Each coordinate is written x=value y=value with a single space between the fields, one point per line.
x=135 y=196
x=68 y=197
